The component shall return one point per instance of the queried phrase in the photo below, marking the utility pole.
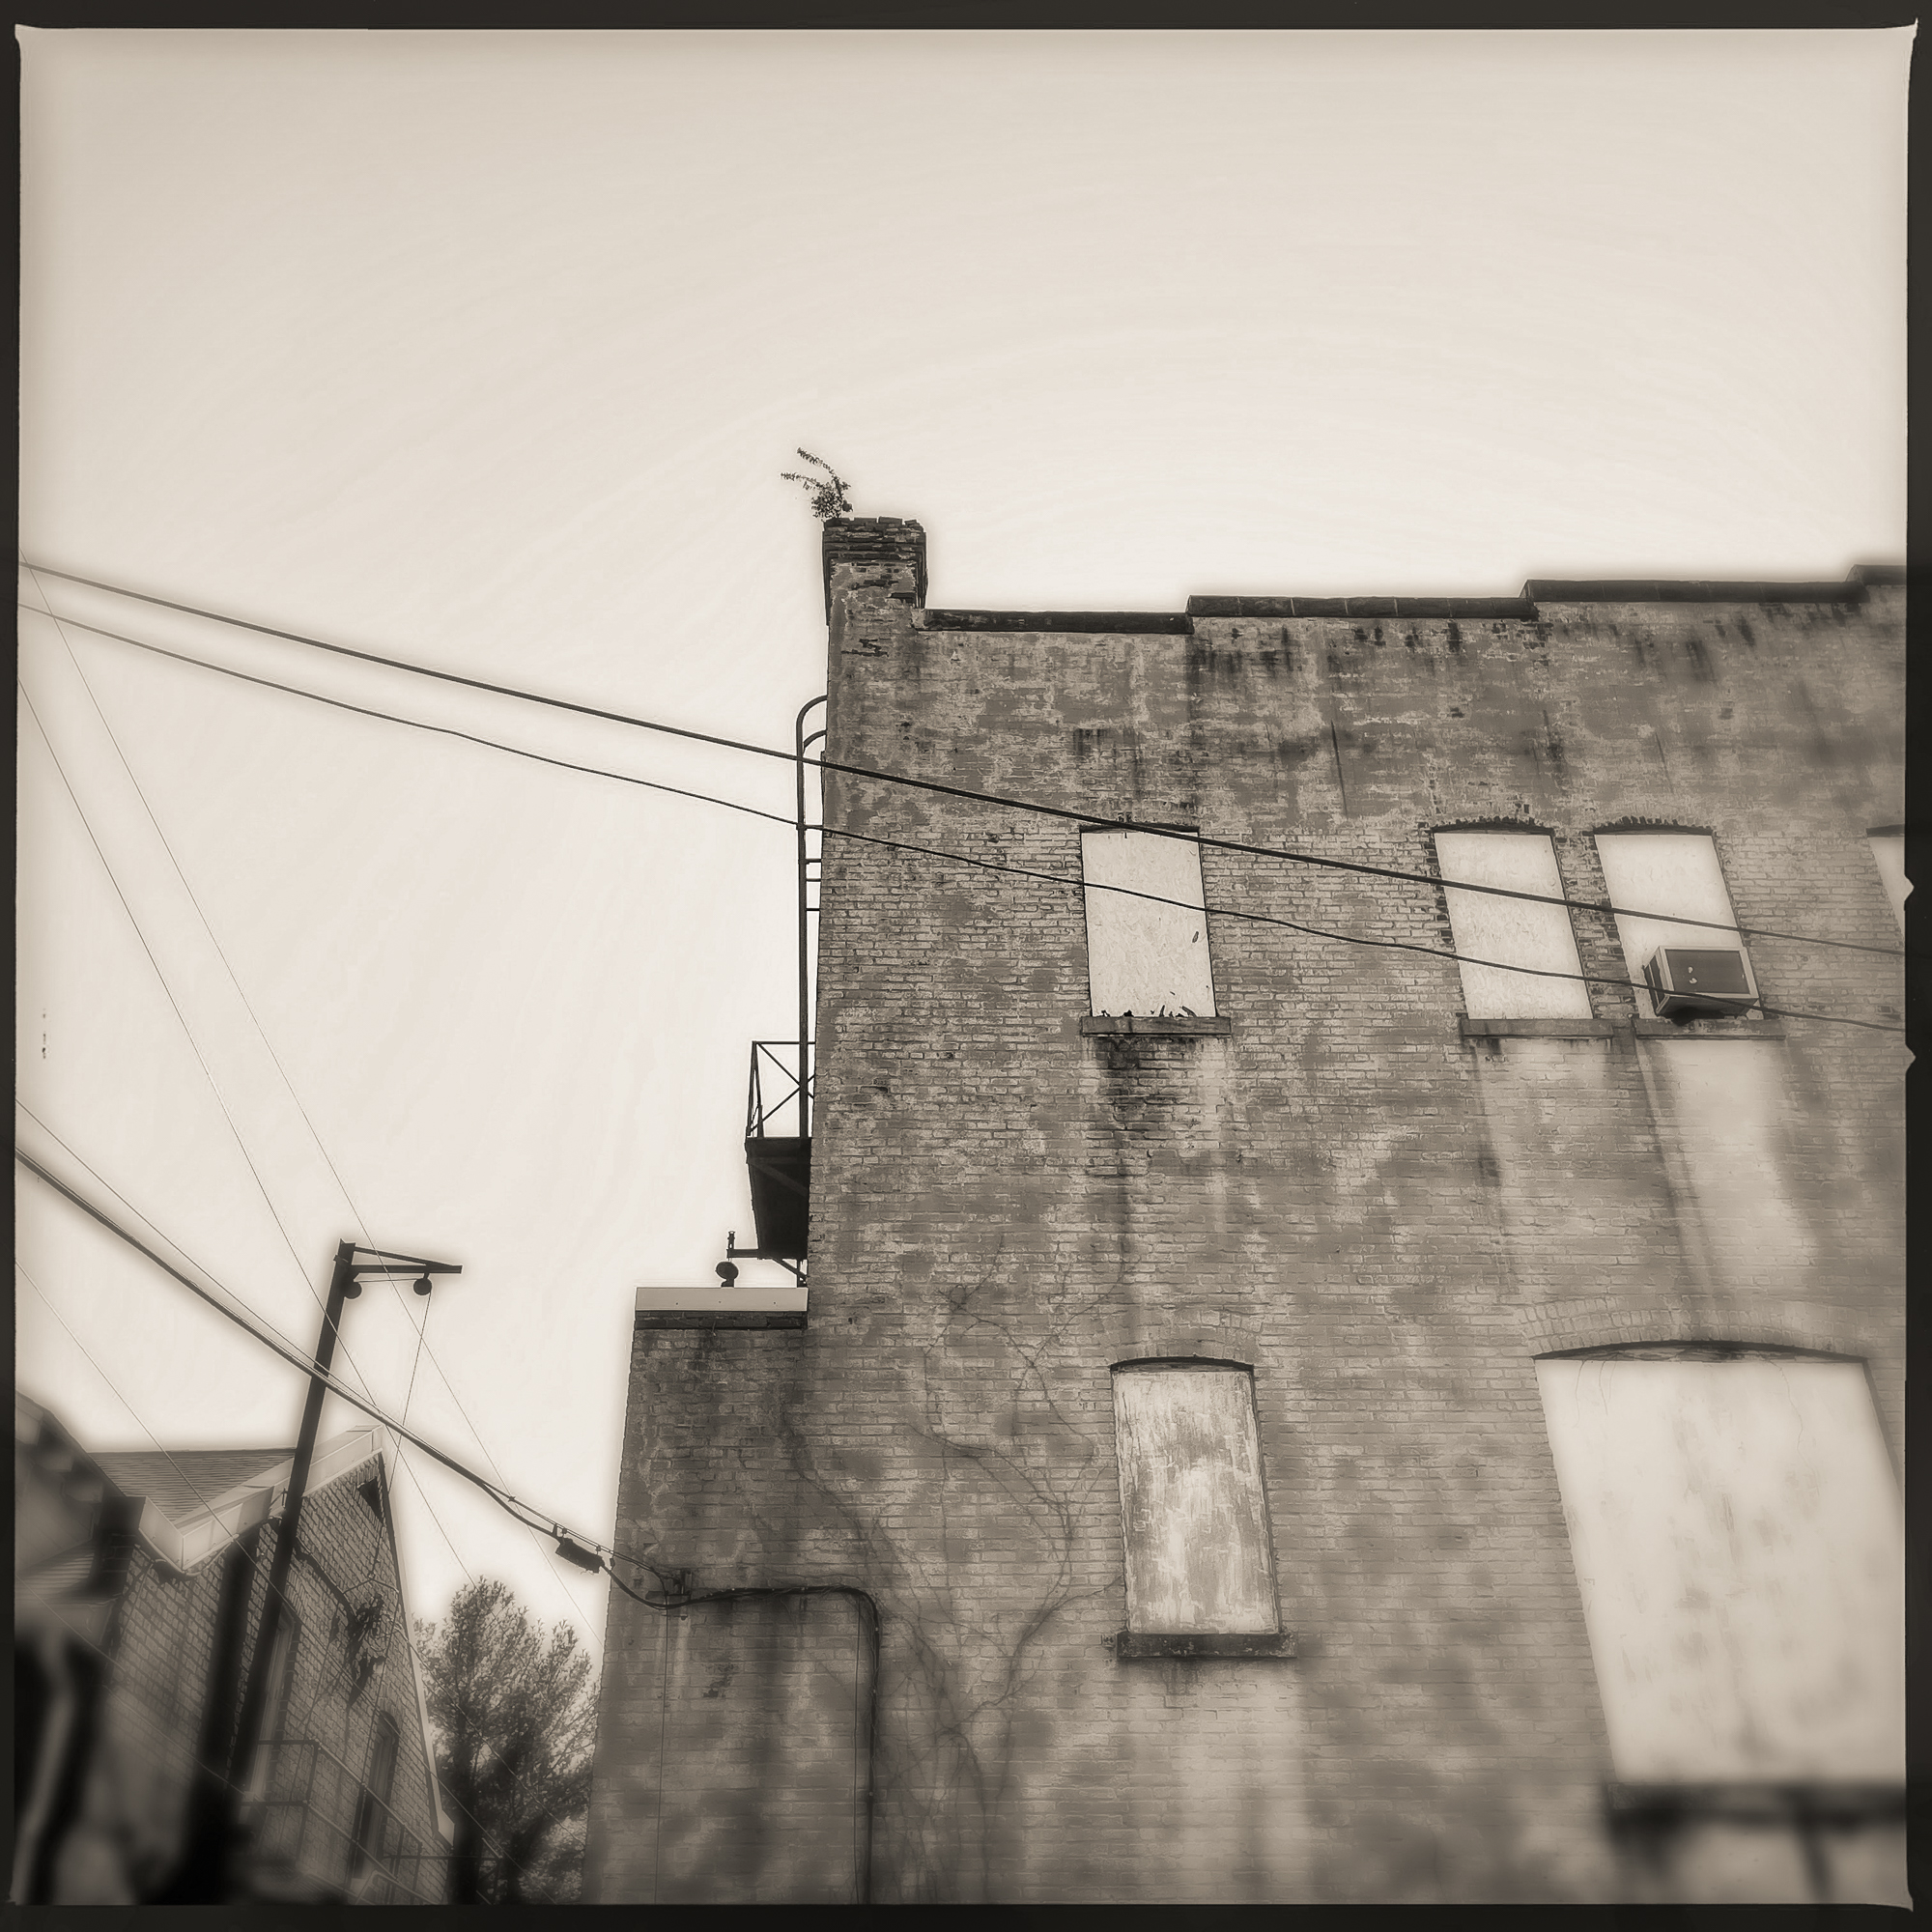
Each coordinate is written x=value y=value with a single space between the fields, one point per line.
x=208 y=1855
x=242 y=1763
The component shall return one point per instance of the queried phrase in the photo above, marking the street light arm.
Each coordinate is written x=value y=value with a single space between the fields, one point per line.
x=401 y=1264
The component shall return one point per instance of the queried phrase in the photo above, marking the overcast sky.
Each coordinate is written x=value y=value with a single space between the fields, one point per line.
x=486 y=351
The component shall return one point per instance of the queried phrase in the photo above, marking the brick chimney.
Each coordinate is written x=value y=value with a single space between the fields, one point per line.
x=876 y=553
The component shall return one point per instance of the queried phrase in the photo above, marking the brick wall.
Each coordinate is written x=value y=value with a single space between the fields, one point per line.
x=1386 y=1221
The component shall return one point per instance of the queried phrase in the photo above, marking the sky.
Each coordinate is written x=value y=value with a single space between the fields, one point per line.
x=486 y=351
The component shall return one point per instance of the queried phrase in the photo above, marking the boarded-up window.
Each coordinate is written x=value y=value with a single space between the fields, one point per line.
x=1888 y=850
x=1739 y=1542
x=1146 y=954
x=1675 y=873
x=1516 y=932
x=1191 y=1499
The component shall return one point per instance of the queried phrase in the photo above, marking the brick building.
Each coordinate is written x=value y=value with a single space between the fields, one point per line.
x=133 y=1574
x=1279 y=1418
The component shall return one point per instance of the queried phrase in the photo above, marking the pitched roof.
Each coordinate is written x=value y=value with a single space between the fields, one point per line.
x=184 y=1482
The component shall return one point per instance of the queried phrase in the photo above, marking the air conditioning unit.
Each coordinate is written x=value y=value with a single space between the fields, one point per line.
x=1687 y=982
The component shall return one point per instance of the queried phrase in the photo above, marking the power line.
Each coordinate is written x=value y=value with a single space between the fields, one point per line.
x=286 y=1341
x=986 y=865
x=1088 y=819
x=262 y=1033
x=524 y=1513
x=193 y=1045
x=188 y=1483
x=576 y=1608
x=46 y=1301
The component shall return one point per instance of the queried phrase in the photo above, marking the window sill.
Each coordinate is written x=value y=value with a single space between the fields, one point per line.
x=1173 y=1025
x=1753 y=1800
x=1645 y=1028
x=1710 y=1029
x=1129 y=1644
x=1536 y=1029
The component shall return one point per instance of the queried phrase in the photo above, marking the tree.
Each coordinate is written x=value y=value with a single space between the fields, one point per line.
x=515 y=1717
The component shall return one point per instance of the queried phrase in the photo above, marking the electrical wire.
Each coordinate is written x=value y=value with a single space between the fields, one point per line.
x=986 y=865
x=285 y=1341
x=423 y=1329
x=194 y=1045
x=1088 y=819
x=114 y=1388
x=511 y=1505
x=524 y=1513
x=262 y=1033
x=190 y=1484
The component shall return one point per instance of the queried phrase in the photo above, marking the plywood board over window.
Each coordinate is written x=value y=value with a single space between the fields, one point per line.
x=1739 y=1542
x=1674 y=873
x=1146 y=944
x=1511 y=932
x=1888 y=850
x=1191 y=1499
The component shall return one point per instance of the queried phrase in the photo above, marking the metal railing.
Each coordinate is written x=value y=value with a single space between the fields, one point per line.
x=793 y=1076
x=311 y=1818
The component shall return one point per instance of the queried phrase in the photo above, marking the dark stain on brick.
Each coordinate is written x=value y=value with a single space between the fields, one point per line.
x=1744 y=632
x=1455 y=641
x=1701 y=667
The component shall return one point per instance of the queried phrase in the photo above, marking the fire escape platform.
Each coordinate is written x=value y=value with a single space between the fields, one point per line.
x=778 y=1167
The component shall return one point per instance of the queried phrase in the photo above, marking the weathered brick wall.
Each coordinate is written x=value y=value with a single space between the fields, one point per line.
x=1389 y=1222
x=756 y=1790
x=163 y=1651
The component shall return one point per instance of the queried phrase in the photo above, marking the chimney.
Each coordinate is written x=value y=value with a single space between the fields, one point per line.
x=878 y=554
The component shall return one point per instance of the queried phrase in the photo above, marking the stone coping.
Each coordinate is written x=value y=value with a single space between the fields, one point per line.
x=1171 y=1025
x=1752 y=1799
x=1128 y=1645
x=1593 y=1028
x=1542 y=1026
x=716 y=1307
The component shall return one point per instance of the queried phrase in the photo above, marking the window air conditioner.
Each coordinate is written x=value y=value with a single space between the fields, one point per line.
x=1686 y=981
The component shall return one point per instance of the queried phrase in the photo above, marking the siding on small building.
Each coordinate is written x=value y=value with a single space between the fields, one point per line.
x=352 y=1666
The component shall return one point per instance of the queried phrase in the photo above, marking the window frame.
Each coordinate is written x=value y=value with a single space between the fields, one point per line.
x=1892 y=839
x=1265 y=1634
x=1694 y=938
x=369 y=1840
x=1577 y=990
x=1611 y=1525
x=1187 y=836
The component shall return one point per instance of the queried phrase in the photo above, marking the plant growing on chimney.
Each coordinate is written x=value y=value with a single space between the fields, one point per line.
x=827 y=497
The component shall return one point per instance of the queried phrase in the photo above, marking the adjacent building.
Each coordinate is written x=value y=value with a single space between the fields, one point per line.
x=1353 y=1347
x=139 y=1582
